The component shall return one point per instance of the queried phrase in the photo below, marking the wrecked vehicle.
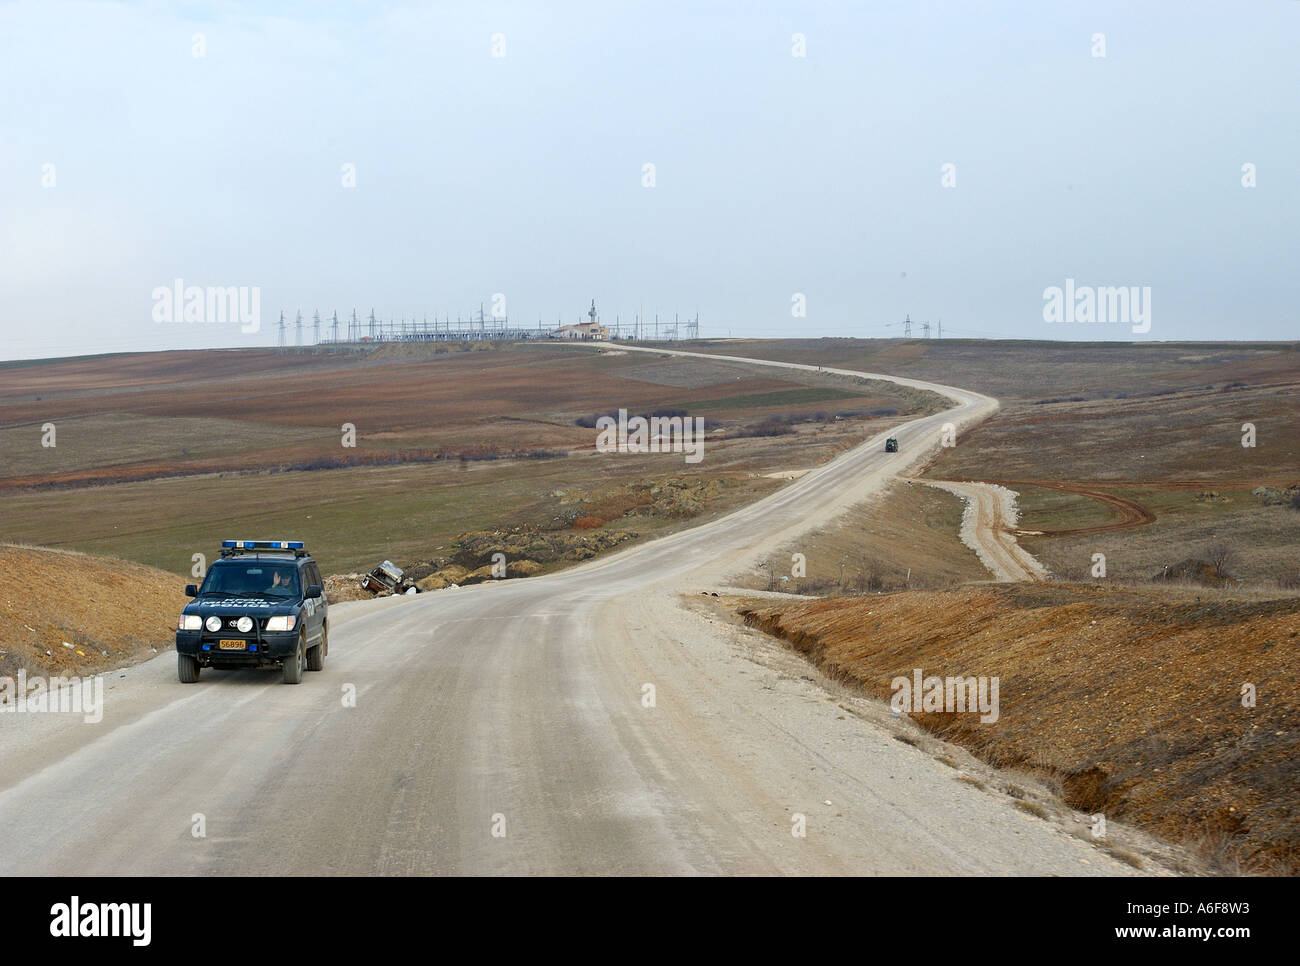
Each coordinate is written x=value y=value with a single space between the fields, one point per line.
x=386 y=578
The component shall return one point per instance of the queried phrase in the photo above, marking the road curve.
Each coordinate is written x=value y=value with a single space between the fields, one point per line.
x=988 y=528
x=507 y=728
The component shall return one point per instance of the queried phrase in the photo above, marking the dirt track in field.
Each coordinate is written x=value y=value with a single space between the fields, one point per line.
x=1131 y=514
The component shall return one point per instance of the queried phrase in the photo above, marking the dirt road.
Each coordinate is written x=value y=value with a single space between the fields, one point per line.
x=987 y=527
x=584 y=722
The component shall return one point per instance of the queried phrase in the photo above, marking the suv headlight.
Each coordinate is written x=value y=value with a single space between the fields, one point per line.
x=244 y=624
x=190 y=622
x=214 y=623
x=281 y=623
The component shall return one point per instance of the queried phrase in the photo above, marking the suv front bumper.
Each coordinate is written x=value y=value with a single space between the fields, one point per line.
x=266 y=649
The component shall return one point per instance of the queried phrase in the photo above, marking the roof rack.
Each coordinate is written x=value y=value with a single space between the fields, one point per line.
x=232 y=547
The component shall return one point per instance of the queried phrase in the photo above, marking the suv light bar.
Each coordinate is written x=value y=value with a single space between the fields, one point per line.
x=262 y=544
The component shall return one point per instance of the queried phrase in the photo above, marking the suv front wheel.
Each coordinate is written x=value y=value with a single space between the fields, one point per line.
x=187 y=668
x=293 y=666
x=316 y=655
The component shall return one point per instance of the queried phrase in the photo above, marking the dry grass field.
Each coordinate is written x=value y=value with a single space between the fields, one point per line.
x=1025 y=371
x=160 y=456
x=1140 y=444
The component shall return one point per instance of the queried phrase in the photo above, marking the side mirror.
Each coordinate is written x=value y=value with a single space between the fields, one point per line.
x=314 y=591
x=191 y=590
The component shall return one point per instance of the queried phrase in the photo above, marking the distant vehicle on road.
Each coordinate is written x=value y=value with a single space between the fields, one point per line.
x=891 y=445
x=262 y=604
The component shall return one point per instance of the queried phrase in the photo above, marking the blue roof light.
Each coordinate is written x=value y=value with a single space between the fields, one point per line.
x=263 y=544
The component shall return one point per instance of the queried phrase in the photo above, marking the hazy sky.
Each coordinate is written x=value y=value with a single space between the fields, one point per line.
x=126 y=161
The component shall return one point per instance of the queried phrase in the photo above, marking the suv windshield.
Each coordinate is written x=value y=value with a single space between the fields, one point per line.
x=264 y=577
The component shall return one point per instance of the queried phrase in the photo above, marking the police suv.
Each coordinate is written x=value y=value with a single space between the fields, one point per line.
x=261 y=605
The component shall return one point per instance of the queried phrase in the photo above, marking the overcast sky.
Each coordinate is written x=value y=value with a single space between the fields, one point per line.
x=502 y=148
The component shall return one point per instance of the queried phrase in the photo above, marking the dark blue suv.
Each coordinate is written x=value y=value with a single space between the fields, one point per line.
x=261 y=605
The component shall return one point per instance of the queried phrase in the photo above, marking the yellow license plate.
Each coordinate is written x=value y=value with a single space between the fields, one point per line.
x=231 y=645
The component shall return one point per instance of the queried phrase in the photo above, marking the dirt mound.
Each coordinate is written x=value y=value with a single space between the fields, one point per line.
x=342 y=587
x=476 y=549
x=527 y=551
x=676 y=499
x=1172 y=710
x=72 y=614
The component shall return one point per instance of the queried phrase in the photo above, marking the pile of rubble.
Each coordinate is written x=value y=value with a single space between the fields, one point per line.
x=676 y=499
x=523 y=551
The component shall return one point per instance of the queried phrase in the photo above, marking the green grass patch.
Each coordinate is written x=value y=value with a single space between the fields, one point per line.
x=1042 y=508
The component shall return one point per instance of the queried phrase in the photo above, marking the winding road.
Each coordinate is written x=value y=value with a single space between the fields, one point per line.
x=601 y=720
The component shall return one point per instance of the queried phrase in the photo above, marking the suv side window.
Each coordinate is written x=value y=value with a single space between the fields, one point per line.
x=318 y=581
x=313 y=575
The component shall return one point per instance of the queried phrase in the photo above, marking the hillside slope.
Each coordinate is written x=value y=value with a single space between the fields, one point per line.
x=111 y=612
x=1130 y=702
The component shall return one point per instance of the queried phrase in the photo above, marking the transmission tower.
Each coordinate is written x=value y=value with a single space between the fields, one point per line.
x=372 y=324
x=315 y=321
x=925 y=330
x=336 y=326
x=297 y=329
x=281 y=328
x=907 y=327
